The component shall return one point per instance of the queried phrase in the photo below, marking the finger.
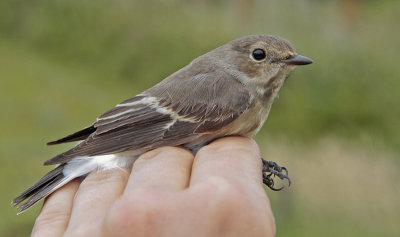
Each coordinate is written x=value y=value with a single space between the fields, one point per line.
x=54 y=217
x=163 y=168
x=236 y=159
x=230 y=169
x=94 y=197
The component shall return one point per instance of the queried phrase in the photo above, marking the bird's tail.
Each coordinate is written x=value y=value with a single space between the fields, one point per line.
x=42 y=188
x=62 y=174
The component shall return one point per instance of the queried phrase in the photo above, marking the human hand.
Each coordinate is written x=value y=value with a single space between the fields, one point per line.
x=168 y=193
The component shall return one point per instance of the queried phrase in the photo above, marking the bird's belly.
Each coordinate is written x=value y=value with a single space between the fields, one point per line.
x=249 y=123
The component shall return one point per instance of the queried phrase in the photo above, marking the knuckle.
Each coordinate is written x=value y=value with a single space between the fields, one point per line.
x=52 y=214
x=235 y=206
x=225 y=193
x=167 y=151
x=81 y=231
x=135 y=213
x=231 y=206
x=148 y=157
x=173 y=151
x=231 y=145
x=164 y=156
x=125 y=218
x=104 y=177
x=47 y=220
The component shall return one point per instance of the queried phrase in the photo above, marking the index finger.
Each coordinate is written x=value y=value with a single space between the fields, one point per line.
x=236 y=159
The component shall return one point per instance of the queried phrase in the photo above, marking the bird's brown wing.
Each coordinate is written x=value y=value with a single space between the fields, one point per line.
x=173 y=112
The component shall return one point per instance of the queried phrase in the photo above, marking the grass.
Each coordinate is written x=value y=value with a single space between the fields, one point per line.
x=335 y=126
x=339 y=188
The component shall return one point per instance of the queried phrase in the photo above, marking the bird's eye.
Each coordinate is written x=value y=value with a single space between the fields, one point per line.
x=259 y=54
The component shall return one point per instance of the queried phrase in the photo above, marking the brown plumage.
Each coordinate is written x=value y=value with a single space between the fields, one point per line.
x=228 y=91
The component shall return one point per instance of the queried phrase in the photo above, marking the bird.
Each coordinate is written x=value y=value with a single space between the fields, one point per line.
x=227 y=91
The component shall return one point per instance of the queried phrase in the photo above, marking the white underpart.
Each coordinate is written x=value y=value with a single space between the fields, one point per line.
x=83 y=165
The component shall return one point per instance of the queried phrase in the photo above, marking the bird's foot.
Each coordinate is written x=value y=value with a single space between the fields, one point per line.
x=274 y=170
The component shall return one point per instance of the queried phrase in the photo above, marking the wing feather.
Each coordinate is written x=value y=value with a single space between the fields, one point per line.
x=174 y=112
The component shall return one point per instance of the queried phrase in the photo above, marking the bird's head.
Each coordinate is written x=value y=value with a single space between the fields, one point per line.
x=257 y=55
x=261 y=60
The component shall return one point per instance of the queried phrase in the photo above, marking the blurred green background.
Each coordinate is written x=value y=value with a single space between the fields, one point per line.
x=336 y=124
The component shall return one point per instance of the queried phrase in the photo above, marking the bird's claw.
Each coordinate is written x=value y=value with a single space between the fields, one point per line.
x=273 y=169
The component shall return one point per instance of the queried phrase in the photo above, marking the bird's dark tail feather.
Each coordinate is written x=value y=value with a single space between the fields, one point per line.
x=42 y=188
x=77 y=136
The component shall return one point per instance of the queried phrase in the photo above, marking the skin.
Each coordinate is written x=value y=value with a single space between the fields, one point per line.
x=169 y=193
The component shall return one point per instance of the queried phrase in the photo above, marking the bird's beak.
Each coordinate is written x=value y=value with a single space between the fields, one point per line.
x=298 y=60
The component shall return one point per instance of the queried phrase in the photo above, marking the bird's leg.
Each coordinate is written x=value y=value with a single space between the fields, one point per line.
x=273 y=169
